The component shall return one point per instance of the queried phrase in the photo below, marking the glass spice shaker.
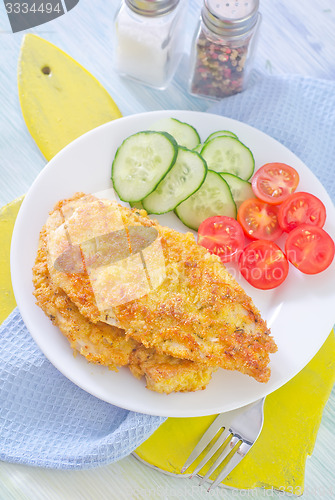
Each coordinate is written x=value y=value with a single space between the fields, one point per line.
x=149 y=38
x=223 y=47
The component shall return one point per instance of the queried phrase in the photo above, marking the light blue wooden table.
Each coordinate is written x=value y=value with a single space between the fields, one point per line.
x=295 y=37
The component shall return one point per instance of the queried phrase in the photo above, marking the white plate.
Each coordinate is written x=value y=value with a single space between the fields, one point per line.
x=300 y=312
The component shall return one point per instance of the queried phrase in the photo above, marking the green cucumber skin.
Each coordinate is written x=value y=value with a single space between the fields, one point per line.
x=159 y=212
x=195 y=225
x=220 y=133
x=136 y=204
x=198 y=148
x=232 y=179
x=191 y=126
x=152 y=188
x=208 y=145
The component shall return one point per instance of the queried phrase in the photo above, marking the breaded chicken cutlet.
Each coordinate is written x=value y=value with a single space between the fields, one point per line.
x=107 y=345
x=164 y=373
x=98 y=342
x=198 y=312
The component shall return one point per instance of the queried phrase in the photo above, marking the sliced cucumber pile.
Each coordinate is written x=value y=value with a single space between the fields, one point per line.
x=184 y=178
x=185 y=134
x=240 y=189
x=168 y=168
x=228 y=154
x=141 y=162
x=213 y=198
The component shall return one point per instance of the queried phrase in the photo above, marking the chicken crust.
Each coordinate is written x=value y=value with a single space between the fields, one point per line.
x=166 y=374
x=98 y=342
x=198 y=313
x=107 y=345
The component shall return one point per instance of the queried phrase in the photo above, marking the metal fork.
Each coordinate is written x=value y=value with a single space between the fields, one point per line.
x=243 y=427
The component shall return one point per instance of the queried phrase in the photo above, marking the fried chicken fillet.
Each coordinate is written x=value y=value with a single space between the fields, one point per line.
x=198 y=312
x=164 y=373
x=98 y=342
x=107 y=345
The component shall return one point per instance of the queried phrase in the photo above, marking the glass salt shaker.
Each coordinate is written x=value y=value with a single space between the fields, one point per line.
x=223 y=47
x=149 y=38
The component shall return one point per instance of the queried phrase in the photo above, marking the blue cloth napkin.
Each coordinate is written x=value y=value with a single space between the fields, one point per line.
x=297 y=111
x=45 y=420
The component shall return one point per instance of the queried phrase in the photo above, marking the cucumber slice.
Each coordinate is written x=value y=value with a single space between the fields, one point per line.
x=240 y=189
x=219 y=133
x=141 y=162
x=185 y=177
x=198 y=148
x=229 y=155
x=213 y=198
x=136 y=204
x=185 y=134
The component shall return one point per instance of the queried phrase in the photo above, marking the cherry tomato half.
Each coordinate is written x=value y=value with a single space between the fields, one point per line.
x=274 y=182
x=310 y=249
x=263 y=264
x=259 y=220
x=301 y=208
x=223 y=236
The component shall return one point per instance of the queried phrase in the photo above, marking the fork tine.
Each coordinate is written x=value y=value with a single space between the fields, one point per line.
x=241 y=451
x=220 y=440
x=204 y=441
x=225 y=452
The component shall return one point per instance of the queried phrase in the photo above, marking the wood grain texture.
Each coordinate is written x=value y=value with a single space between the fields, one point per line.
x=295 y=37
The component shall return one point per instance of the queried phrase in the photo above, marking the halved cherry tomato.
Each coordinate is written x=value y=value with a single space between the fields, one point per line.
x=301 y=208
x=310 y=249
x=223 y=236
x=259 y=220
x=274 y=182
x=263 y=264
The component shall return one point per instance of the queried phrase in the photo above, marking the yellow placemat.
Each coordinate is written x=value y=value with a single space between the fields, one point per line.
x=277 y=460
x=7 y=218
x=292 y=413
x=60 y=99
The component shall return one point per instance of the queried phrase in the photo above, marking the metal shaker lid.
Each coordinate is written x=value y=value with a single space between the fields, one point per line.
x=233 y=18
x=152 y=8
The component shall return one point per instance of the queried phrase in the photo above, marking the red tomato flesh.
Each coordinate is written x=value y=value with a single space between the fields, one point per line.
x=259 y=220
x=274 y=182
x=222 y=236
x=263 y=264
x=301 y=208
x=310 y=249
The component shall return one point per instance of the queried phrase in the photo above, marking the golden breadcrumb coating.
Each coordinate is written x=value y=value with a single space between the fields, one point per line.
x=166 y=374
x=107 y=345
x=99 y=343
x=199 y=313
